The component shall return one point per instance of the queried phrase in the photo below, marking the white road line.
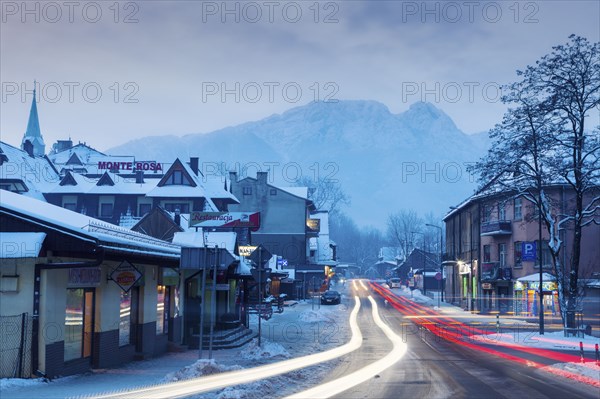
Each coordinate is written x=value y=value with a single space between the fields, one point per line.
x=209 y=383
x=342 y=384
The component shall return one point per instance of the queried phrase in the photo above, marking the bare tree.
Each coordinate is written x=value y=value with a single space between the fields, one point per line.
x=326 y=194
x=402 y=229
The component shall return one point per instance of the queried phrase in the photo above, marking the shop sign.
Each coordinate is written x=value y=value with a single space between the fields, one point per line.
x=547 y=285
x=125 y=275
x=246 y=250
x=84 y=277
x=486 y=286
x=225 y=219
x=519 y=286
x=141 y=165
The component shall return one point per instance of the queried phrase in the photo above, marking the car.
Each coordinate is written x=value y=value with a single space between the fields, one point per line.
x=394 y=282
x=331 y=298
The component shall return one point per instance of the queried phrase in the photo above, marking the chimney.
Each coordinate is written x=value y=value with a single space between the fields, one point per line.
x=262 y=177
x=139 y=176
x=194 y=165
x=177 y=218
x=28 y=147
x=232 y=177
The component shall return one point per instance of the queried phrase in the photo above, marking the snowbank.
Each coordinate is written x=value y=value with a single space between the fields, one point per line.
x=552 y=340
x=267 y=350
x=197 y=369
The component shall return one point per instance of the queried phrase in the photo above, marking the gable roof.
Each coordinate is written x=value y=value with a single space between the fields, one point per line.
x=37 y=173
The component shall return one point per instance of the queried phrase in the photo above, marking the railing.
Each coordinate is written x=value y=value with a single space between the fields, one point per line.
x=498 y=227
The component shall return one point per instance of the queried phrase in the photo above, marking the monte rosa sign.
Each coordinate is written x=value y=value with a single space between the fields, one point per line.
x=141 y=165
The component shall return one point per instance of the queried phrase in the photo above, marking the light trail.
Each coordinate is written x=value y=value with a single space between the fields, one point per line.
x=363 y=285
x=198 y=385
x=342 y=384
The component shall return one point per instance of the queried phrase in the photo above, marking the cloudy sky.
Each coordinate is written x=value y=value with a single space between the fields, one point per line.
x=109 y=72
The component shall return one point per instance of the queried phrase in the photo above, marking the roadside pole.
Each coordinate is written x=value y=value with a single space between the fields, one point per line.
x=213 y=304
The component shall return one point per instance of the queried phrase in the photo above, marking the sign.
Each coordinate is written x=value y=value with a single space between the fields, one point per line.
x=438 y=276
x=528 y=251
x=125 y=275
x=546 y=285
x=486 y=286
x=225 y=219
x=260 y=256
x=313 y=225
x=84 y=277
x=246 y=250
x=222 y=287
x=142 y=165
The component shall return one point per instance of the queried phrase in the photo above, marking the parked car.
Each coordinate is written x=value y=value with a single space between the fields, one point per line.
x=331 y=298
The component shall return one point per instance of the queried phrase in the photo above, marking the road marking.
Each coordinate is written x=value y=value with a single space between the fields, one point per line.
x=342 y=384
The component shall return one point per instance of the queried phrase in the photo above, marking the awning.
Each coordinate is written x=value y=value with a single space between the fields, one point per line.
x=536 y=277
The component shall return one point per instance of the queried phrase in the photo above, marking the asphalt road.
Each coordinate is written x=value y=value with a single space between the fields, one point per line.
x=436 y=368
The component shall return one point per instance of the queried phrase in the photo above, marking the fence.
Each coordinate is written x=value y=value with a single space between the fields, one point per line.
x=15 y=346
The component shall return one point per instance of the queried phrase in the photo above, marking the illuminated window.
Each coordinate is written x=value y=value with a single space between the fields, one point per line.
x=125 y=319
x=162 y=310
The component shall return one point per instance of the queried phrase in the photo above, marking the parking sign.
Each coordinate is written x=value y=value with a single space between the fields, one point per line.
x=528 y=251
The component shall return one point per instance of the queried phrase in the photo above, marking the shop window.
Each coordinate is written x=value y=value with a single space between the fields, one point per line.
x=78 y=324
x=125 y=318
x=162 y=310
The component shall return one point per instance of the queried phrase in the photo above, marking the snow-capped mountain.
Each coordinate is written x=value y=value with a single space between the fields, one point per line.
x=384 y=161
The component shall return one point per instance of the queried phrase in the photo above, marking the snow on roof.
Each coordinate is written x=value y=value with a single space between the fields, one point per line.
x=88 y=185
x=88 y=156
x=110 y=236
x=37 y=173
x=301 y=192
x=20 y=245
x=199 y=239
x=536 y=277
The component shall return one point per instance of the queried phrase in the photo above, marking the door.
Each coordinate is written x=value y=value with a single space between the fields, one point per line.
x=88 y=321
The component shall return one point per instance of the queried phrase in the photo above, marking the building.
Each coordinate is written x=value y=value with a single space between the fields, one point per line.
x=86 y=294
x=492 y=244
x=287 y=227
x=33 y=142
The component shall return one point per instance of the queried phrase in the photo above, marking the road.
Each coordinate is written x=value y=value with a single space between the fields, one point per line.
x=436 y=368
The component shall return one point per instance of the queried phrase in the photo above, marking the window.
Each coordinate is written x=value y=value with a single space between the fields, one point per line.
x=106 y=210
x=517 y=253
x=487 y=253
x=273 y=191
x=501 y=210
x=487 y=213
x=74 y=324
x=162 y=310
x=502 y=254
x=125 y=319
x=177 y=178
x=247 y=190
x=70 y=206
x=546 y=256
x=144 y=209
x=518 y=208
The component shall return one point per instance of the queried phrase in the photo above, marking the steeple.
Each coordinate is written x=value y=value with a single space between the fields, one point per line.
x=33 y=133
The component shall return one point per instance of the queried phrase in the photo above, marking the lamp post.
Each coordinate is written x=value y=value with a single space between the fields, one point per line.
x=441 y=254
x=424 y=262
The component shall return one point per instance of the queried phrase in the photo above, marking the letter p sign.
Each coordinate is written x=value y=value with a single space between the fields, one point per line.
x=528 y=251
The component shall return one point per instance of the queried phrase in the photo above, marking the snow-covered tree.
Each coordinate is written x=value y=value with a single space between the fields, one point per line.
x=543 y=142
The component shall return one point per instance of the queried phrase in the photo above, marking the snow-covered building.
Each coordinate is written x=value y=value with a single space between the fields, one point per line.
x=86 y=294
x=492 y=244
x=81 y=158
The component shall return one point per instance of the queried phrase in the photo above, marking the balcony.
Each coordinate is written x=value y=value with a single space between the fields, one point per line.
x=496 y=228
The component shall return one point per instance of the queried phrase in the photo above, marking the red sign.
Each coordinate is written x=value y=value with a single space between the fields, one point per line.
x=125 y=275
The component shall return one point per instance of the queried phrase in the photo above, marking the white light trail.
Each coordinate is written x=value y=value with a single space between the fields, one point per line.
x=363 y=285
x=342 y=384
x=193 y=386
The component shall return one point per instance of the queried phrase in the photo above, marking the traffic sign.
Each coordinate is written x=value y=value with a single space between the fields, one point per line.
x=438 y=276
x=260 y=256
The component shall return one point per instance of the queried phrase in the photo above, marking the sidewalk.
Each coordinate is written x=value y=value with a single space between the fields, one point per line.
x=301 y=329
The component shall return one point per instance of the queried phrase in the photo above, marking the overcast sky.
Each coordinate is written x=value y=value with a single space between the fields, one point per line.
x=109 y=72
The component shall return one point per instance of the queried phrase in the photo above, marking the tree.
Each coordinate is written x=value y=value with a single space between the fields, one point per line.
x=543 y=141
x=326 y=194
x=401 y=229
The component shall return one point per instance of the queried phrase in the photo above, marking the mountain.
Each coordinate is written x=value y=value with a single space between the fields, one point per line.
x=385 y=162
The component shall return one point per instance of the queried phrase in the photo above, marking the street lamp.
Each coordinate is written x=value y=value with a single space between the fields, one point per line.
x=441 y=254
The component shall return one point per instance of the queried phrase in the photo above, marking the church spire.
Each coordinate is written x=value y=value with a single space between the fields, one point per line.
x=33 y=133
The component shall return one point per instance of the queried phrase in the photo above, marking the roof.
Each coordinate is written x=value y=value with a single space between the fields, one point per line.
x=536 y=277
x=89 y=185
x=108 y=236
x=88 y=156
x=37 y=173
x=20 y=245
x=301 y=192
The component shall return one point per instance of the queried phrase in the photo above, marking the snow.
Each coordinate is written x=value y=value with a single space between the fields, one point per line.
x=20 y=245
x=267 y=350
x=550 y=340
x=589 y=370
x=197 y=369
